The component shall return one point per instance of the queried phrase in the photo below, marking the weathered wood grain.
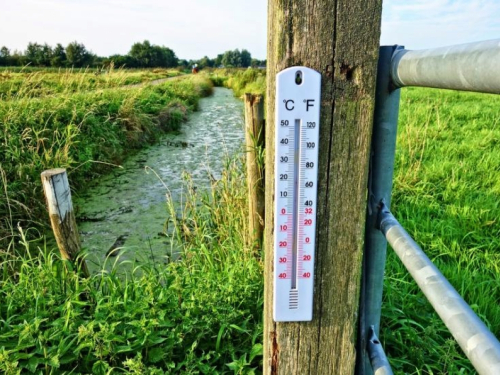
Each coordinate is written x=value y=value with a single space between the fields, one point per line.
x=62 y=217
x=254 y=137
x=340 y=39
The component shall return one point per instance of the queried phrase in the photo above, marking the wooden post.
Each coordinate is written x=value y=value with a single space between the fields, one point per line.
x=339 y=39
x=254 y=134
x=62 y=218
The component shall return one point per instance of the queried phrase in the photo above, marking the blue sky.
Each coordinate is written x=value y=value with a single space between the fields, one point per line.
x=194 y=28
x=420 y=24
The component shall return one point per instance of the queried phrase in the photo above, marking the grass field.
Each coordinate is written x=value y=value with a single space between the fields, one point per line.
x=447 y=195
x=203 y=314
x=24 y=83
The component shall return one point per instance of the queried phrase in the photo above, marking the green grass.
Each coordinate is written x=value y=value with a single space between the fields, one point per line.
x=83 y=132
x=32 y=69
x=21 y=84
x=241 y=81
x=447 y=195
x=201 y=314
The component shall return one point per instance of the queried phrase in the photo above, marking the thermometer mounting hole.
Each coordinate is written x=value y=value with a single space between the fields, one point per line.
x=298 y=77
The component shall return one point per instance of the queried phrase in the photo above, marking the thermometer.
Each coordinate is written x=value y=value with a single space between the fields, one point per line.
x=296 y=165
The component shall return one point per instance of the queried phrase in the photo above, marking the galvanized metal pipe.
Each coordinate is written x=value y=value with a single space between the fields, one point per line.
x=385 y=123
x=477 y=342
x=378 y=359
x=466 y=67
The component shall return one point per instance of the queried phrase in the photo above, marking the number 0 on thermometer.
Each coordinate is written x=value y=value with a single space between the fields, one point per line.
x=297 y=135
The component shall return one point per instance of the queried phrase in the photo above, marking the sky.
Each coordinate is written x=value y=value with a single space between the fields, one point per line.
x=195 y=28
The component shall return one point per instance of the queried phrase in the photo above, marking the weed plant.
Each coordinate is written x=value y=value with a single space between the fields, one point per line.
x=200 y=314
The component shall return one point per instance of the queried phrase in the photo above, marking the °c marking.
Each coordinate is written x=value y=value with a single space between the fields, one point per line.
x=287 y=101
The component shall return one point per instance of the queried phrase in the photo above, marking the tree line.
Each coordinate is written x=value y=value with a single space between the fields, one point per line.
x=230 y=59
x=141 y=55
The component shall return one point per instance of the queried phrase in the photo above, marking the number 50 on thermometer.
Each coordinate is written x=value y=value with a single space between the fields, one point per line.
x=296 y=164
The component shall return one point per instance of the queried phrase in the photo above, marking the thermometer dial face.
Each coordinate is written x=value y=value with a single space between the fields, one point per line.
x=296 y=164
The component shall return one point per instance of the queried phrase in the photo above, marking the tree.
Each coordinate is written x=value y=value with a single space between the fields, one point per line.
x=16 y=58
x=141 y=52
x=58 y=56
x=78 y=56
x=246 y=58
x=232 y=59
x=45 y=55
x=205 y=62
x=148 y=55
x=218 y=60
x=38 y=55
x=121 y=61
x=4 y=56
x=343 y=47
x=34 y=54
x=165 y=57
x=254 y=63
x=183 y=63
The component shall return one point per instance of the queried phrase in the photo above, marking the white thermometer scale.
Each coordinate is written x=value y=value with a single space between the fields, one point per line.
x=297 y=134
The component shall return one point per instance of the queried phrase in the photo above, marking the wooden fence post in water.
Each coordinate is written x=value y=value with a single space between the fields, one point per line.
x=254 y=134
x=62 y=218
x=339 y=39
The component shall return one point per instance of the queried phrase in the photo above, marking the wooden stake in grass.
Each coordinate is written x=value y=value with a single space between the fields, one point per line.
x=339 y=39
x=62 y=218
x=254 y=134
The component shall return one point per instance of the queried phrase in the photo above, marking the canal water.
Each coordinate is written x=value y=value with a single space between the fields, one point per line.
x=127 y=209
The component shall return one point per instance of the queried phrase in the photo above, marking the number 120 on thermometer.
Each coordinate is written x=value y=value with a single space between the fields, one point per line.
x=296 y=164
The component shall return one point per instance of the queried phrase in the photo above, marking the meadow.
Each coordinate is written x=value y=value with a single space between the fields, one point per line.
x=30 y=83
x=447 y=195
x=203 y=313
